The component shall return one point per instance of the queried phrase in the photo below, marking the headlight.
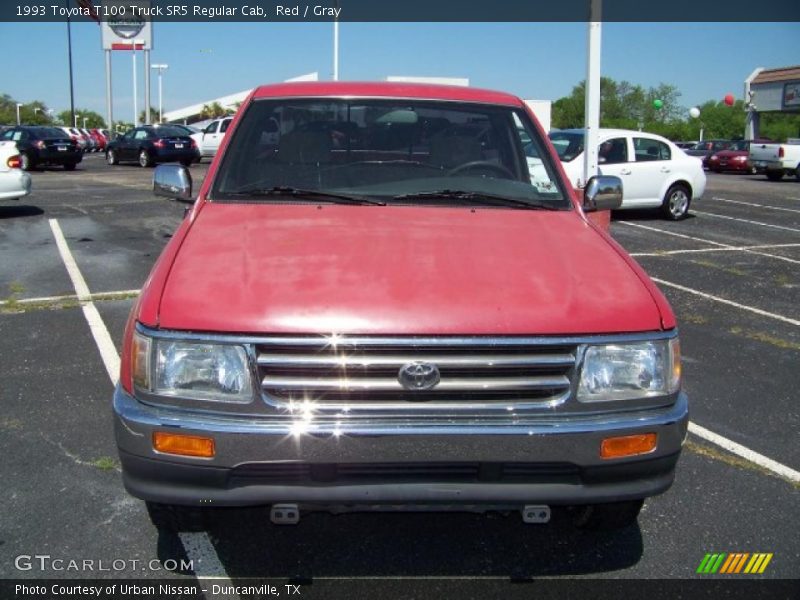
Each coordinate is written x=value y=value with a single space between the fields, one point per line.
x=630 y=371
x=191 y=370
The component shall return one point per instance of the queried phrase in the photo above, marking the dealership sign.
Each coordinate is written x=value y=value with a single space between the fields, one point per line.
x=124 y=22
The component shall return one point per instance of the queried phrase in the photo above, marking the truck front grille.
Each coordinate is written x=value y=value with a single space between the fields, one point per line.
x=347 y=372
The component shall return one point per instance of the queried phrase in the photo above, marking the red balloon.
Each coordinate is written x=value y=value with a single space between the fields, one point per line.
x=729 y=99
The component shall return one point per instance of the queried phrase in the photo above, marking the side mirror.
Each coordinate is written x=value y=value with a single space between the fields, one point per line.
x=172 y=181
x=603 y=192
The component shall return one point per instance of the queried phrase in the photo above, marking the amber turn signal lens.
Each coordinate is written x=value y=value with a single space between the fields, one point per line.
x=183 y=445
x=628 y=445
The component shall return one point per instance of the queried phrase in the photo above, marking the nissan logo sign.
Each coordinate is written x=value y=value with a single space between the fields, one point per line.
x=127 y=28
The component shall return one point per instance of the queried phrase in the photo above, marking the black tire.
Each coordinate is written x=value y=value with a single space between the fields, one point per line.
x=111 y=157
x=187 y=163
x=171 y=517
x=27 y=162
x=607 y=517
x=677 y=200
x=774 y=175
x=797 y=172
x=145 y=159
x=69 y=166
x=752 y=170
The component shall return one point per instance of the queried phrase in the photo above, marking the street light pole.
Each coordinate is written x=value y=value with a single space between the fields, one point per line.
x=69 y=53
x=160 y=68
x=19 y=105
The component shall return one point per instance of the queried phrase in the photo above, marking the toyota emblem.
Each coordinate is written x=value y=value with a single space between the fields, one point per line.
x=418 y=376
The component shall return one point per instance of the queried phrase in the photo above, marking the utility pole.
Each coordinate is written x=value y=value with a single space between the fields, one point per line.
x=592 y=101
x=69 y=54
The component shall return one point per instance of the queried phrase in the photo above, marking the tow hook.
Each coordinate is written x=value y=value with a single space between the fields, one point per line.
x=284 y=514
x=536 y=513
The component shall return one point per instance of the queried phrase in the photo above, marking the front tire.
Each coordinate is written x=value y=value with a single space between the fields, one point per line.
x=111 y=158
x=69 y=166
x=607 y=517
x=171 y=517
x=187 y=163
x=797 y=172
x=144 y=159
x=775 y=175
x=676 y=202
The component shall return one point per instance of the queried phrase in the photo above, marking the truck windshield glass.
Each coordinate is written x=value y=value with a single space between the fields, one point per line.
x=390 y=151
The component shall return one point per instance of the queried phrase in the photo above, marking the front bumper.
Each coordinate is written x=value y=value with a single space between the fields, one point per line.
x=561 y=459
x=15 y=183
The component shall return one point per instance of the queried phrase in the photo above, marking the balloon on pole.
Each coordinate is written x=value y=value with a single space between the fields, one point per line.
x=694 y=112
x=658 y=104
x=729 y=99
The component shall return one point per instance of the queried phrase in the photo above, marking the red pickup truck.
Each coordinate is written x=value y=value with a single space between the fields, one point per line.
x=387 y=295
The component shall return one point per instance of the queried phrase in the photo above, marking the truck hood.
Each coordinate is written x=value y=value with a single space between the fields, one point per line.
x=303 y=268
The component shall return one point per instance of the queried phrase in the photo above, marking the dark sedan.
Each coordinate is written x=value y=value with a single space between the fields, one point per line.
x=43 y=146
x=152 y=144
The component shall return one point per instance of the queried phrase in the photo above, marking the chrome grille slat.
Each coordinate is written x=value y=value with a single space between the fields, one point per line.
x=479 y=361
x=361 y=373
x=446 y=385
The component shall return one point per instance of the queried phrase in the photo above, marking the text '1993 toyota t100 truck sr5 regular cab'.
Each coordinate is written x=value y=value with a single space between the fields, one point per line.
x=387 y=296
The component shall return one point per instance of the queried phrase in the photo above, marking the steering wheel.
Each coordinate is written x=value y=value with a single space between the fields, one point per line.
x=481 y=164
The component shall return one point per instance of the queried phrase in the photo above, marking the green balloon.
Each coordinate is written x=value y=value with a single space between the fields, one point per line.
x=658 y=104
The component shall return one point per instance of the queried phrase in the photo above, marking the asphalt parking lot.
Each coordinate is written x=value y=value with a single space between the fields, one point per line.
x=731 y=272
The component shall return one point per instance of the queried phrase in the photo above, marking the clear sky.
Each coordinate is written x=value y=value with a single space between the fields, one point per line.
x=534 y=60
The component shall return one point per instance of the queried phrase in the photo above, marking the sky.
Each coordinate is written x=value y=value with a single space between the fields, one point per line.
x=533 y=60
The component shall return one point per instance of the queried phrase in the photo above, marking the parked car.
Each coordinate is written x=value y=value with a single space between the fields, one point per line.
x=92 y=141
x=776 y=160
x=76 y=136
x=705 y=149
x=44 y=146
x=686 y=145
x=211 y=137
x=14 y=182
x=735 y=158
x=384 y=309
x=99 y=138
x=655 y=172
x=152 y=144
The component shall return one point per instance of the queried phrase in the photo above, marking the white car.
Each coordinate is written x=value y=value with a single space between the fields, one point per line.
x=655 y=173
x=211 y=137
x=14 y=182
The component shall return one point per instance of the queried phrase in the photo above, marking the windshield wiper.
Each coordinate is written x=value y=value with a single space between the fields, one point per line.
x=477 y=197
x=283 y=190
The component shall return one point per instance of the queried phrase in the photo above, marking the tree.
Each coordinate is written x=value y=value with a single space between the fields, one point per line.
x=30 y=113
x=153 y=116
x=93 y=119
x=213 y=111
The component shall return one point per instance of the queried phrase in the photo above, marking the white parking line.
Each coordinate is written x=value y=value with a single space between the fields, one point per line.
x=705 y=241
x=730 y=249
x=751 y=309
x=794 y=210
x=751 y=222
x=105 y=345
x=745 y=452
x=47 y=299
x=198 y=546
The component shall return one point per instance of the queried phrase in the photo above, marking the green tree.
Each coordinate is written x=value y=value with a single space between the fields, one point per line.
x=213 y=111
x=93 y=119
x=30 y=113
x=153 y=116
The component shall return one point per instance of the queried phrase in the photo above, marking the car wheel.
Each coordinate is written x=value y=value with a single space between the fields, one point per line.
x=171 y=517
x=775 y=175
x=797 y=172
x=752 y=170
x=186 y=163
x=69 y=166
x=607 y=517
x=144 y=159
x=111 y=158
x=26 y=162
x=676 y=202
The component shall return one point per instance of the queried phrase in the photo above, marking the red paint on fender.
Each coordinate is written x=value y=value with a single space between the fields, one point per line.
x=259 y=268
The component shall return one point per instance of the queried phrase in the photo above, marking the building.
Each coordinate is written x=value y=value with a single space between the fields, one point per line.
x=770 y=90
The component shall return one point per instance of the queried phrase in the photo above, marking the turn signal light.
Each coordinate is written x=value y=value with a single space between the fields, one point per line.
x=628 y=445
x=14 y=162
x=183 y=445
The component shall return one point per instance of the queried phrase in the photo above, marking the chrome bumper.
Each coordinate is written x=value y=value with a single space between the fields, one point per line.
x=243 y=442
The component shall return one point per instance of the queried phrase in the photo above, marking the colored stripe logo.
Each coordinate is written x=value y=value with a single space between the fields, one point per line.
x=734 y=563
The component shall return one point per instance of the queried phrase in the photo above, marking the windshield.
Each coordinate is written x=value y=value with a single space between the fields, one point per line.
x=387 y=151
x=568 y=144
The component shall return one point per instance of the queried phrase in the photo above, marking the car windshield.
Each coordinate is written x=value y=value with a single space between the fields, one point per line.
x=371 y=151
x=48 y=132
x=568 y=144
x=169 y=131
x=741 y=146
